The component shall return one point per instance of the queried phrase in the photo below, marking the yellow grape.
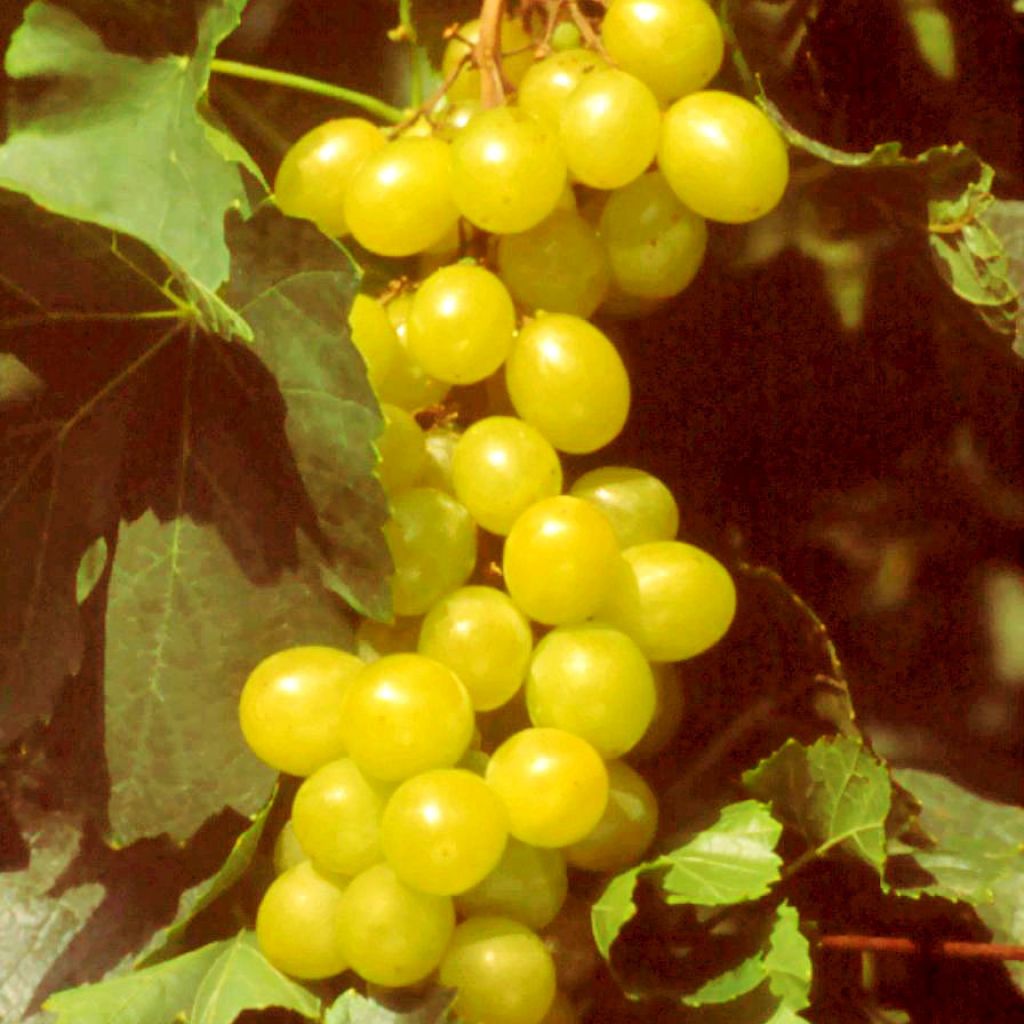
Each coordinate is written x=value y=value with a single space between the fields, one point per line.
x=407 y=384
x=402 y=449
x=638 y=505
x=287 y=850
x=549 y=83
x=668 y=712
x=374 y=337
x=516 y=50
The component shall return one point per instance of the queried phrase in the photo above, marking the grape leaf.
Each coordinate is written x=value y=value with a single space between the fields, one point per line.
x=118 y=141
x=1005 y=219
x=976 y=858
x=614 y=908
x=352 y=1008
x=835 y=792
x=90 y=569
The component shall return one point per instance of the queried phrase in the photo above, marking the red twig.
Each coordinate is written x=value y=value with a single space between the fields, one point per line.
x=902 y=945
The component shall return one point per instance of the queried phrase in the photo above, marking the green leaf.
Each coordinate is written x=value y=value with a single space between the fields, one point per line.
x=1005 y=219
x=352 y=1008
x=978 y=856
x=933 y=34
x=90 y=569
x=193 y=901
x=118 y=141
x=835 y=792
x=614 y=908
x=17 y=382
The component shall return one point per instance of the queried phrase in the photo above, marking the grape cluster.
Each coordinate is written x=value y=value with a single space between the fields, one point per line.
x=472 y=751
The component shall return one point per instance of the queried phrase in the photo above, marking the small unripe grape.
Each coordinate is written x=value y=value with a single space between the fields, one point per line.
x=549 y=83
x=673 y=599
x=566 y=378
x=626 y=829
x=402 y=449
x=391 y=934
x=374 y=337
x=723 y=157
x=406 y=384
x=638 y=505
x=560 y=560
x=674 y=46
x=461 y=324
x=501 y=970
x=502 y=466
x=508 y=171
x=432 y=539
x=553 y=784
x=516 y=50
x=296 y=923
x=315 y=173
x=399 y=200
x=405 y=714
x=610 y=128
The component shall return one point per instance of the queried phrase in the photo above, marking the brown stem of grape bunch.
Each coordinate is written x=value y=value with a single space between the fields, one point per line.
x=487 y=54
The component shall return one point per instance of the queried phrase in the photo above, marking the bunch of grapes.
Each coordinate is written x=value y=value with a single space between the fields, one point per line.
x=472 y=751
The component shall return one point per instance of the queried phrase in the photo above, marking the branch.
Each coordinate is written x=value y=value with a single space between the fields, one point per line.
x=487 y=54
x=904 y=946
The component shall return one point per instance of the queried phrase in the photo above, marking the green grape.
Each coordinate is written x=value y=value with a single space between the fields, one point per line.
x=559 y=266
x=484 y=639
x=566 y=378
x=432 y=540
x=554 y=785
x=674 y=46
x=502 y=466
x=529 y=884
x=610 y=127
x=461 y=324
x=549 y=83
x=406 y=714
x=517 y=56
x=392 y=935
x=723 y=157
x=443 y=831
x=336 y=817
x=406 y=384
x=655 y=244
x=668 y=712
x=562 y=1011
x=565 y=37
x=402 y=449
x=591 y=680
x=454 y=116
x=374 y=337
x=375 y=639
x=672 y=598
x=560 y=560
x=638 y=505
x=502 y=971
x=441 y=441
x=287 y=850
x=508 y=171
x=296 y=925
x=291 y=707
x=399 y=200
x=316 y=171
x=626 y=829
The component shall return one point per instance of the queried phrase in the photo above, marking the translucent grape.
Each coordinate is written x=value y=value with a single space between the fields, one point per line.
x=432 y=540
x=407 y=384
x=517 y=56
x=374 y=337
x=723 y=157
x=566 y=378
x=655 y=244
x=402 y=449
x=549 y=83
x=441 y=441
x=638 y=505
x=668 y=712
x=287 y=850
x=501 y=466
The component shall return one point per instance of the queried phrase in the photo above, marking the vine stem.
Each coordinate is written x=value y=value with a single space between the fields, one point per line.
x=487 y=54
x=901 y=944
x=255 y=73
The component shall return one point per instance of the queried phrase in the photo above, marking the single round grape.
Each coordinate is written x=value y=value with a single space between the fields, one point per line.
x=441 y=441
x=508 y=171
x=591 y=680
x=560 y=560
x=610 y=128
x=673 y=46
x=316 y=171
x=484 y=639
x=723 y=157
x=673 y=599
x=399 y=200
x=655 y=244
x=502 y=971
x=566 y=378
x=374 y=337
x=402 y=449
x=502 y=466
x=291 y=707
x=559 y=266
x=638 y=505
x=627 y=827
x=443 y=831
x=461 y=324
x=566 y=36
x=336 y=816
x=432 y=540
x=407 y=384
x=516 y=50
x=549 y=83
x=529 y=884
x=375 y=639
x=392 y=935
x=296 y=925
x=406 y=714
x=554 y=785
x=668 y=712
x=287 y=850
